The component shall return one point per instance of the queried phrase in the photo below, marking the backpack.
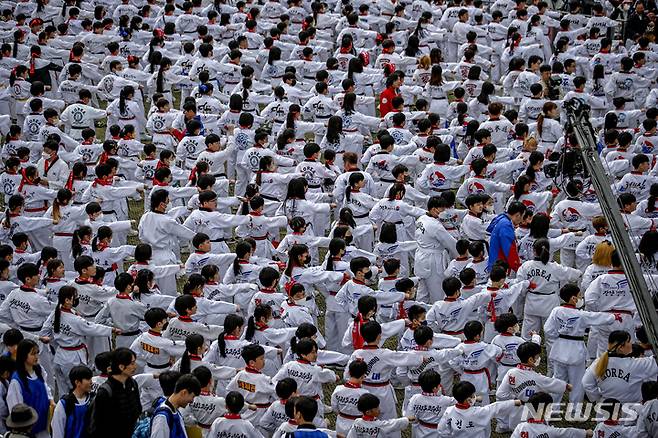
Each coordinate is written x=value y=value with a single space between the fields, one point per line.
x=143 y=426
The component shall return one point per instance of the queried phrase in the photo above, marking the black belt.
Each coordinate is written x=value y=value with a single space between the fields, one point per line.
x=361 y=216
x=79 y=127
x=220 y=175
x=508 y=365
x=540 y=293
x=157 y=367
x=386 y=180
x=132 y=333
x=323 y=117
x=268 y=197
x=314 y=186
x=110 y=212
x=30 y=329
x=221 y=239
x=394 y=223
x=572 y=338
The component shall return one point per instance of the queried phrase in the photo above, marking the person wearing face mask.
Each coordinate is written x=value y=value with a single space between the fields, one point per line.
x=523 y=381
x=162 y=231
x=154 y=352
x=565 y=329
x=298 y=307
x=69 y=329
x=439 y=353
x=355 y=288
x=51 y=168
x=52 y=127
x=435 y=248
x=308 y=375
x=617 y=374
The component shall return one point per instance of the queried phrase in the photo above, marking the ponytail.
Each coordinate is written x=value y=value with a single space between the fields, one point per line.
x=616 y=339
x=540 y=124
x=542 y=250
x=65 y=293
x=192 y=344
x=122 y=102
x=251 y=329
x=601 y=365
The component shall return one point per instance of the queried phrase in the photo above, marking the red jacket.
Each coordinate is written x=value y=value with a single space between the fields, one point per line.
x=386 y=100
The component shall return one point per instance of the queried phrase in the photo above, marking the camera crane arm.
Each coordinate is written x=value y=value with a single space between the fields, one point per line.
x=578 y=117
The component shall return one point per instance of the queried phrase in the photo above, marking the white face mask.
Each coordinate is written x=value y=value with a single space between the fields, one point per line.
x=471 y=401
x=627 y=7
x=46 y=156
x=99 y=217
x=537 y=361
x=580 y=304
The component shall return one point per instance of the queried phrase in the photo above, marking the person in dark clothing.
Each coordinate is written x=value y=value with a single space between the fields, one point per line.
x=637 y=22
x=116 y=408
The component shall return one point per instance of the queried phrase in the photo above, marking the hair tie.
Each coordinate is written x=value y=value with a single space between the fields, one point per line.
x=288 y=286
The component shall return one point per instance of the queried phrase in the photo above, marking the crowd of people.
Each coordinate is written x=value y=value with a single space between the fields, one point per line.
x=323 y=218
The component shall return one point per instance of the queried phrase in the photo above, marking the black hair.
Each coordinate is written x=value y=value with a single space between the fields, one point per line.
x=231 y=322
x=528 y=350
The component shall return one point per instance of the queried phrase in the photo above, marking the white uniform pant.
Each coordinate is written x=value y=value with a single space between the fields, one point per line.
x=63 y=246
x=571 y=374
x=387 y=403
x=167 y=285
x=335 y=325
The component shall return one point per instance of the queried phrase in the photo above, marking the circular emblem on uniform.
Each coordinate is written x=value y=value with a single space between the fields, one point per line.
x=190 y=147
x=109 y=84
x=78 y=114
x=33 y=126
x=158 y=124
x=254 y=161
x=384 y=100
x=8 y=187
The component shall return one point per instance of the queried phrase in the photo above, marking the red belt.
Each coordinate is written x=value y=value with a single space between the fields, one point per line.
x=260 y=238
x=76 y=348
x=35 y=210
x=480 y=371
x=64 y=234
x=349 y=417
x=427 y=425
x=332 y=293
x=377 y=384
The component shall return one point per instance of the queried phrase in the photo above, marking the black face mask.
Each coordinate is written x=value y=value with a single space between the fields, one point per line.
x=348 y=240
x=164 y=327
x=367 y=275
x=76 y=301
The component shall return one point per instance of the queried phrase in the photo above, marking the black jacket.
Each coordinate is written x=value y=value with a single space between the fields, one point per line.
x=115 y=409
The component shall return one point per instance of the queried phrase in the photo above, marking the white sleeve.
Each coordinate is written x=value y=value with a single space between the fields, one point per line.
x=58 y=423
x=159 y=427
x=14 y=394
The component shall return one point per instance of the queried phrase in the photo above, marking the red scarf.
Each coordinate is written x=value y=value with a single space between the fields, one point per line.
x=24 y=181
x=103 y=158
x=357 y=339
x=160 y=165
x=69 y=182
x=491 y=307
x=106 y=181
